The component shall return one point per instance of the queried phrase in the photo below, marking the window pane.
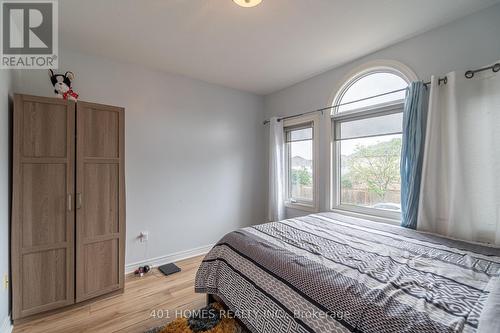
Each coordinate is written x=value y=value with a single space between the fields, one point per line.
x=369 y=174
x=387 y=124
x=299 y=134
x=371 y=85
x=301 y=170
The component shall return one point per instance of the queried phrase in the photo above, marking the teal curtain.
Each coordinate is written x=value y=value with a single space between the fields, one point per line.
x=414 y=124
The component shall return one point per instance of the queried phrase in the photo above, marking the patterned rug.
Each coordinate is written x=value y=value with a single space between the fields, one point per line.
x=210 y=319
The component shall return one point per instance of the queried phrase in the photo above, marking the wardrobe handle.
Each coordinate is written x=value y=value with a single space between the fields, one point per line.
x=70 y=203
x=78 y=200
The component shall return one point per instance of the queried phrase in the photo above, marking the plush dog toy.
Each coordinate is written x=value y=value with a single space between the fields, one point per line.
x=62 y=85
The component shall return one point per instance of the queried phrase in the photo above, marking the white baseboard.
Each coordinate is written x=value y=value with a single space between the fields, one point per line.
x=6 y=325
x=169 y=258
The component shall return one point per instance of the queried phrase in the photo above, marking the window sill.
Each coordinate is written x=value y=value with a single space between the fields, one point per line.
x=365 y=216
x=301 y=206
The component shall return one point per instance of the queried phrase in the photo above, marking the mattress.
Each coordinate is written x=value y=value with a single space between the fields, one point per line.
x=331 y=273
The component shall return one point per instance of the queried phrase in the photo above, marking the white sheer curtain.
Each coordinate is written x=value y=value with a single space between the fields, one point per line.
x=276 y=171
x=460 y=189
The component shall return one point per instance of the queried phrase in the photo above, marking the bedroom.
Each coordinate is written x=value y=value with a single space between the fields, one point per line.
x=209 y=117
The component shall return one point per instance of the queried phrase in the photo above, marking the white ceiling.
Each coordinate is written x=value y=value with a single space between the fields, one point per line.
x=260 y=49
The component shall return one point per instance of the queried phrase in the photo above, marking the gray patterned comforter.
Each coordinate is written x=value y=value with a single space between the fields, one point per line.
x=331 y=273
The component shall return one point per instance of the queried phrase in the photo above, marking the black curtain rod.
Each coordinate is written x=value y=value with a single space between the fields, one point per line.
x=445 y=80
x=469 y=74
x=495 y=68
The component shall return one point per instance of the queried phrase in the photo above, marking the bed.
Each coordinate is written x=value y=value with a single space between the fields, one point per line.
x=331 y=273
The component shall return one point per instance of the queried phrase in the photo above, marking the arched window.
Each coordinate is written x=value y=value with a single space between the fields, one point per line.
x=367 y=134
x=371 y=84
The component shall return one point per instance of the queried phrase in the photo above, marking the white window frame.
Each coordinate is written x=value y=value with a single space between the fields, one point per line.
x=309 y=206
x=365 y=113
x=392 y=67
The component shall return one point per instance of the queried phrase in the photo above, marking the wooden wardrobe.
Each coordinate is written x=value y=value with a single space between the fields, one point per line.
x=68 y=203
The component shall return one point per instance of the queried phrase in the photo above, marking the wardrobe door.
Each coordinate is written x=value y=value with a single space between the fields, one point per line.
x=100 y=200
x=42 y=204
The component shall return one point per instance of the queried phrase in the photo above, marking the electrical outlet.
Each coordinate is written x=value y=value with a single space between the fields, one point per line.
x=144 y=236
x=6 y=281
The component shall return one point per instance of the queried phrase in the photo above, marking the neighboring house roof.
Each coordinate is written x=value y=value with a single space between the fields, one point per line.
x=298 y=161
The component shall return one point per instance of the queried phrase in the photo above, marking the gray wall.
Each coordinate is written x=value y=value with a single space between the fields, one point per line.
x=193 y=151
x=470 y=42
x=5 y=89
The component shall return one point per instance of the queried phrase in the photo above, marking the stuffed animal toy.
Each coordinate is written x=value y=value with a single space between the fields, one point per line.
x=142 y=270
x=62 y=85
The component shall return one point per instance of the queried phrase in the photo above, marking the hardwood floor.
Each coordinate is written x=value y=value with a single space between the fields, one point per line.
x=129 y=312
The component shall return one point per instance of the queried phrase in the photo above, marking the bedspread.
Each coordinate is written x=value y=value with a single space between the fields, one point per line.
x=332 y=273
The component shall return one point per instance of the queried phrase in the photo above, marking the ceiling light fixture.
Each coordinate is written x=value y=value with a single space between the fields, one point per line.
x=247 y=3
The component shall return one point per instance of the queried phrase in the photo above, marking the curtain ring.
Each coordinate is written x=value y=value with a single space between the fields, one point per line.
x=496 y=67
x=469 y=74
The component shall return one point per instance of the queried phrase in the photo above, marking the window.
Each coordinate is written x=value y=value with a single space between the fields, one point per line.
x=301 y=153
x=367 y=135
